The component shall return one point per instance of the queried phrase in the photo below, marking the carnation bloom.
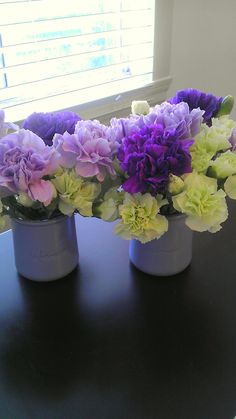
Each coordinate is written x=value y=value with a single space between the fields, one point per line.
x=232 y=139
x=179 y=116
x=209 y=103
x=230 y=186
x=201 y=157
x=204 y=205
x=46 y=125
x=75 y=193
x=210 y=141
x=150 y=155
x=140 y=218
x=108 y=209
x=24 y=161
x=224 y=165
x=88 y=150
x=120 y=128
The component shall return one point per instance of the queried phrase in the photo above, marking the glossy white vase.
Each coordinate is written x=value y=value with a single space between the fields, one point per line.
x=45 y=250
x=169 y=255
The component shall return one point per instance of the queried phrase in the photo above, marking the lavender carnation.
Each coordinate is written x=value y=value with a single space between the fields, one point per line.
x=186 y=122
x=150 y=155
x=209 y=103
x=120 y=128
x=46 y=125
x=89 y=150
x=24 y=161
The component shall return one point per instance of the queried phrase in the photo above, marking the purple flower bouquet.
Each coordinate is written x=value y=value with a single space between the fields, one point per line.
x=55 y=164
x=175 y=158
x=175 y=161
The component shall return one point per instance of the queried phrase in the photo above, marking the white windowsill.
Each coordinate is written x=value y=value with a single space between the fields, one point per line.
x=104 y=109
x=120 y=105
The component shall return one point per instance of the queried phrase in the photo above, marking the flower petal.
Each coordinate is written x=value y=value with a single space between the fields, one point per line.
x=43 y=191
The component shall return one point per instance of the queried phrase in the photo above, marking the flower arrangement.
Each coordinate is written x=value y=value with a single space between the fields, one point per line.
x=55 y=164
x=178 y=157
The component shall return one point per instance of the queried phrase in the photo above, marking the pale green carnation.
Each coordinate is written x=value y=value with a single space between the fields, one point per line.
x=223 y=126
x=210 y=141
x=176 y=184
x=230 y=187
x=140 y=218
x=201 y=159
x=224 y=165
x=75 y=193
x=108 y=210
x=204 y=205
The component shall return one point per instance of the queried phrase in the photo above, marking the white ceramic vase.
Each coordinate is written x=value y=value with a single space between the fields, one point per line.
x=169 y=255
x=45 y=250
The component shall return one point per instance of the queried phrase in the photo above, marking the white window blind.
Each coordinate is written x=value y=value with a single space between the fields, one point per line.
x=57 y=54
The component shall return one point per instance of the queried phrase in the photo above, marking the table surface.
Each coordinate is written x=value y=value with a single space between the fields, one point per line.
x=109 y=342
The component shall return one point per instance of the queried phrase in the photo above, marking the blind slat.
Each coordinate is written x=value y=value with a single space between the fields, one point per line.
x=25 y=15
x=59 y=48
x=27 y=60
x=108 y=72
x=28 y=11
x=78 y=80
x=41 y=31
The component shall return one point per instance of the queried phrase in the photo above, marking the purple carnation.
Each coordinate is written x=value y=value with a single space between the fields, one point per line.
x=209 y=103
x=24 y=161
x=150 y=155
x=88 y=150
x=46 y=125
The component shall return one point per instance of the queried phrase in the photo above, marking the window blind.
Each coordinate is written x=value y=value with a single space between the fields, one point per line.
x=59 y=54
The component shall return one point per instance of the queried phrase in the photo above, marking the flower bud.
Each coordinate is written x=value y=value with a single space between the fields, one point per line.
x=226 y=106
x=24 y=200
x=140 y=107
x=176 y=185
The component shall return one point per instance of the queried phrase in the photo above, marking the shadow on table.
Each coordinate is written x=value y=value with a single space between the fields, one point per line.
x=161 y=334
x=46 y=349
x=181 y=325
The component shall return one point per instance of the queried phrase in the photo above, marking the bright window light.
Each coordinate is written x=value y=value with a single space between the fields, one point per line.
x=56 y=55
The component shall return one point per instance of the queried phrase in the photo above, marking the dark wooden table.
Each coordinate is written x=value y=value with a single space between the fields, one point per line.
x=109 y=342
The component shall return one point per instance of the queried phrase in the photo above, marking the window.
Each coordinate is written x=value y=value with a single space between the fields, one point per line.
x=60 y=54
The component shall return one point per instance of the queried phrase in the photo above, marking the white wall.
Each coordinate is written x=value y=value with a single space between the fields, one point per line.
x=203 y=48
